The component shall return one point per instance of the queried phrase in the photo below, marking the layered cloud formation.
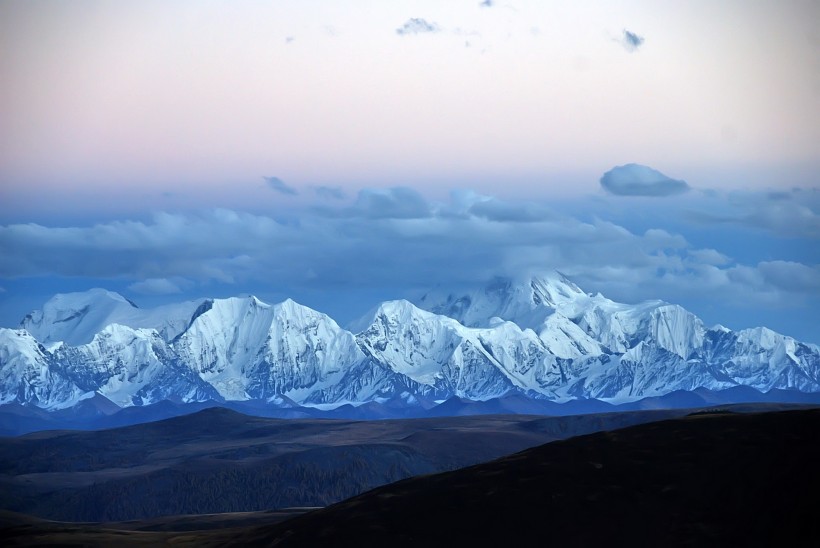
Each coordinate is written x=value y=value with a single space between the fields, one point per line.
x=395 y=237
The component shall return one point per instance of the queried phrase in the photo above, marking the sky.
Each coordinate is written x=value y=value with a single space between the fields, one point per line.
x=344 y=153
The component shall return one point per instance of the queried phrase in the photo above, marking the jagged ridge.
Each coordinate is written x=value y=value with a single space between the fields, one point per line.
x=542 y=337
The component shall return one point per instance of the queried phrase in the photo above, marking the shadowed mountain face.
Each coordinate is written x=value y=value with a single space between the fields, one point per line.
x=703 y=480
x=218 y=460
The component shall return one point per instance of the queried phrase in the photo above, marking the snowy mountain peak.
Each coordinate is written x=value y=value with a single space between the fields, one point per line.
x=554 y=290
x=76 y=317
x=540 y=336
x=28 y=374
x=402 y=310
x=527 y=300
x=291 y=308
x=95 y=294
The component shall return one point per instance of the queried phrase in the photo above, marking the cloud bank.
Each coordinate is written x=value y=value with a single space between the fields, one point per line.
x=639 y=180
x=739 y=258
x=396 y=238
x=792 y=213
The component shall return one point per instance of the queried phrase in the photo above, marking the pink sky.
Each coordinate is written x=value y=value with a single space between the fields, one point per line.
x=133 y=100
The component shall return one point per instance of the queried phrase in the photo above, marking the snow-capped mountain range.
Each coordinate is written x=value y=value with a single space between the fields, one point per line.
x=542 y=337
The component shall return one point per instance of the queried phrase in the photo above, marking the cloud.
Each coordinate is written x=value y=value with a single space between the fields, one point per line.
x=487 y=4
x=417 y=26
x=329 y=192
x=390 y=236
x=280 y=186
x=710 y=256
x=505 y=212
x=787 y=218
x=387 y=203
x=639 y=180
x=791 y=276
x=155 y=286
x=631 y=41
x=791 y=213
x=394 y=238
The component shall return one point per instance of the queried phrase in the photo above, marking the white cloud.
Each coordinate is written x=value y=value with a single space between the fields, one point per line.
x=395 y=238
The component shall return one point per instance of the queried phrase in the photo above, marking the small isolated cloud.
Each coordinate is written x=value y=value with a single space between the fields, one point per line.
x=416 y=26
x=155 y=286
x=280 y=186
x=631 y=41
x=330 y=192
x=2 y=289
x=289 y=39
x=639 y=180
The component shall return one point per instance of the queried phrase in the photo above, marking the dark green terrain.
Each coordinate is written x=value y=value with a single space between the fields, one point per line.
x=709 y=479
x=217 y=460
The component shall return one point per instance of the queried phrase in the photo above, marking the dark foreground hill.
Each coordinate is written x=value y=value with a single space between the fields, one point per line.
x=218 y=460
x=708 y=479
x=704 y=480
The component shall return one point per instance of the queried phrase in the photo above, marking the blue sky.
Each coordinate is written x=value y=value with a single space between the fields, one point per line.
x=341 y=153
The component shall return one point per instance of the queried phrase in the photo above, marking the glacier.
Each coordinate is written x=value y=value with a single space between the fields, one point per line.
x=539 y=337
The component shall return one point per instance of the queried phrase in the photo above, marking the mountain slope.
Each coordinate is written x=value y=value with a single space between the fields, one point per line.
x=74 y=318
x=28 y=373
x=708 y=480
